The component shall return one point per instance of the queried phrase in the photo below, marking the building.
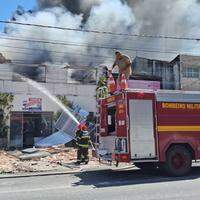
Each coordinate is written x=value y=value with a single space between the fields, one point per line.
x=168 y=72
x=3 y=59
x=34 y=105
x=189 y=66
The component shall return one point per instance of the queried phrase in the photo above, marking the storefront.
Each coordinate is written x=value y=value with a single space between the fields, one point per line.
x=31 y=119
x=27 y=128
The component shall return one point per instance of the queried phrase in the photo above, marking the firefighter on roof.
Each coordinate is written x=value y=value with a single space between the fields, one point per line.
x=83 y=141
x=124 y=64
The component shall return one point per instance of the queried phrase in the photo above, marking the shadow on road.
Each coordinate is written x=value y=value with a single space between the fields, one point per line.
x=109 y=178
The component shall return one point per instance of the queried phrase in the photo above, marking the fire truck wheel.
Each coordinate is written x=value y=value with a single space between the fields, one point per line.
x=146 y=166
x=178 y=161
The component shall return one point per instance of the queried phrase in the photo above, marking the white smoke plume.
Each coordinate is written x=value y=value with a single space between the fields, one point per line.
x=109 y=15
x=179 y=18
x=150 y=17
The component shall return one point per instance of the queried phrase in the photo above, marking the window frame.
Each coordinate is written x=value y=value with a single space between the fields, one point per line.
x=23 y=70
x=191 y=72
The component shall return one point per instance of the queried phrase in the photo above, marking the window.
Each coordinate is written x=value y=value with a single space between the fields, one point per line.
x=191 y=72
x=111 y=119
x=35 y=72
x=158 y=71
x=27 y=128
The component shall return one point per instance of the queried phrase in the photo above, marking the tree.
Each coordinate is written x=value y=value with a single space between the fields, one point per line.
x=5 y=108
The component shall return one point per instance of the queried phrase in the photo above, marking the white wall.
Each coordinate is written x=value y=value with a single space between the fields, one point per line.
x=56 y=83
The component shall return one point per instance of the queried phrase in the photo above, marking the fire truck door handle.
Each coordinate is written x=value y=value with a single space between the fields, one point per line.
x=127 y=122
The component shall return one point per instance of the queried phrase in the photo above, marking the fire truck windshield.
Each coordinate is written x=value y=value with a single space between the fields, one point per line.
x=111 y=119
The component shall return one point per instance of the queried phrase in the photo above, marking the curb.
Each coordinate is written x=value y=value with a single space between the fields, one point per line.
x=52 y=173
x=38 y=174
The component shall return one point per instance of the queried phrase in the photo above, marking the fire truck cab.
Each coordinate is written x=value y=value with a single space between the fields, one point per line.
x=151 y=129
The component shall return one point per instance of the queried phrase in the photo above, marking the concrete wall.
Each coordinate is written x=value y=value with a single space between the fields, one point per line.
x=186 y=61
x=158 y=68
x=56 y=83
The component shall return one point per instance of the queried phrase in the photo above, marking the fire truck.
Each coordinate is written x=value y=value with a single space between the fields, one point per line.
x=151 y=129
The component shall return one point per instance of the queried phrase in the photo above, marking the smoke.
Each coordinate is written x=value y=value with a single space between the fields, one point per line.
x=107 y=12
x=75 y=6
x=178 y=18
x=152 y=17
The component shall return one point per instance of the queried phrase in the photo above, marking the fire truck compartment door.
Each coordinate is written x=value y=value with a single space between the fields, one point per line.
x=142 y=141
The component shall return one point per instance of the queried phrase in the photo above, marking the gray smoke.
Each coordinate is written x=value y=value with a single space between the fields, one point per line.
x=74 y=6
x=152 y=17
x=149 y=17
x=104 y=16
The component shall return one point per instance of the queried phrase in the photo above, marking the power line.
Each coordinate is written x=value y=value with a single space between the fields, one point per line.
x=55 y=57
x=120 y=40
x=57 y=52
x=58 y=64
x=84 y=45
x=82 y=54
x=78 y=65
x=101 y=32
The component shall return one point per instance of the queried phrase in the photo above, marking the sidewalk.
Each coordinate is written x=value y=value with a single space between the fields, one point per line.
x=69 y=169
x=55 y=162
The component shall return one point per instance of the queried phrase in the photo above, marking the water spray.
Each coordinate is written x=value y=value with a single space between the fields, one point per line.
x=48 y=94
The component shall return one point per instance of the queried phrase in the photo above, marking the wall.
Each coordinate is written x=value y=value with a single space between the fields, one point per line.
x=186 y=61
x=157 y=68
x=56 y=83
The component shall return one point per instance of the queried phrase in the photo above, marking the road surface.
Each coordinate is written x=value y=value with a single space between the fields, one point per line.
x=103 y=185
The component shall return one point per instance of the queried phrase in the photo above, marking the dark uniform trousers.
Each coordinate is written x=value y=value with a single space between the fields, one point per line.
x=82 y=154
x=83 y=140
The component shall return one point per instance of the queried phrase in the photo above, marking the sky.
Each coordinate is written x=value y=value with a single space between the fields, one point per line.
x=9 y=6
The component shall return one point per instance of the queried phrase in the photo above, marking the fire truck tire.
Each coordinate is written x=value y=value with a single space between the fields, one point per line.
x=146 y=166
x=178 y=161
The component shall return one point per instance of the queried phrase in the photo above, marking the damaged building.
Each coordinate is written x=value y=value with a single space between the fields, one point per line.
x=189 y=66
x=33 y=112
x=182 y=73
x=168 y=73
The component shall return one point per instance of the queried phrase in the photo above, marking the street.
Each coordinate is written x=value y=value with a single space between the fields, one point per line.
x=105 y=184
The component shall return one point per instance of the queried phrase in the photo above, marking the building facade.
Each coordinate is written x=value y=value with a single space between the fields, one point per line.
x=168 y=73
x=189 y=66
x=182 y=73
x=34 y=104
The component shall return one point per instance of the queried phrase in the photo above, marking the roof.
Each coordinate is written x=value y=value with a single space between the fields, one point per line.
x=165 y=61
x=172 y=95
x=178 y=96
x=3 y=59
x=176 y=59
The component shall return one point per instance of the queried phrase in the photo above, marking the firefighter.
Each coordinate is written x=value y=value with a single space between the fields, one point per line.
x=124 y=64
x=83 y=141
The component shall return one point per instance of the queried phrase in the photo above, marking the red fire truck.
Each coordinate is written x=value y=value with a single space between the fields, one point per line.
x=151 y=129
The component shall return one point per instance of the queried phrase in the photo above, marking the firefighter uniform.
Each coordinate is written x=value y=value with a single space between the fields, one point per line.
x=83 y=141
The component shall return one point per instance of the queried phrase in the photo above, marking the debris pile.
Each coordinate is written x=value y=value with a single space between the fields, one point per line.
x=39 y=160
x=7 y=163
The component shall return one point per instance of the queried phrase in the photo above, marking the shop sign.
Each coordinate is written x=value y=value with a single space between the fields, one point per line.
x=32 y=104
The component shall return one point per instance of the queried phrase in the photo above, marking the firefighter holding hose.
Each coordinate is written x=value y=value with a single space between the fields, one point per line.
x=83 y=142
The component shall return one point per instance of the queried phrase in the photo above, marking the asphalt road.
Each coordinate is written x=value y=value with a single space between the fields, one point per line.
x=103 y=185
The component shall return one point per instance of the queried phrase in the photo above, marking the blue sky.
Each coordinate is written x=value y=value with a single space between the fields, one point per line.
x=9 y=6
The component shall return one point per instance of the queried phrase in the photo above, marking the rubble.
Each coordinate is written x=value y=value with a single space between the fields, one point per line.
x=55 y=159
x=30 y=150
x=35 y=155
